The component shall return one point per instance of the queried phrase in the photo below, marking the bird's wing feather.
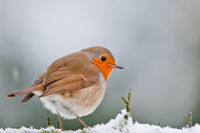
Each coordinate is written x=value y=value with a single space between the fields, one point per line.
x=57 y=75
x=69 y=83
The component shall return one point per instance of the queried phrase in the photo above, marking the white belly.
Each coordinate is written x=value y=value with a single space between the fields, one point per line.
x=79 y=105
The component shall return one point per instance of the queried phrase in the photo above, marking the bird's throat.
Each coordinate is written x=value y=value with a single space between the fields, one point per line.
x=105 y=69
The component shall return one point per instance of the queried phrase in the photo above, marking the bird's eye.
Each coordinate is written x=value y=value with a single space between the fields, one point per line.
x=103 y=58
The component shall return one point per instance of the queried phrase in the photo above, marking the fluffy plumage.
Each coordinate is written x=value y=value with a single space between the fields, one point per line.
x=75 y=84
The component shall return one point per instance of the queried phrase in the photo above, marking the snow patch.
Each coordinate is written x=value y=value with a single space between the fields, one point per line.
x=117 y=125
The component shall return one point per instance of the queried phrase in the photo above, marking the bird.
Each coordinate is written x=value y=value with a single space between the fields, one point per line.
x=74 y=85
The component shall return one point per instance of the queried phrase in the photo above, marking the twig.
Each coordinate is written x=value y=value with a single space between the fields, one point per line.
x=127 y=102
x=190 y=119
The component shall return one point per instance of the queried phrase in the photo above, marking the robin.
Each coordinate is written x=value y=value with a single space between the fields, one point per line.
x=74 y=85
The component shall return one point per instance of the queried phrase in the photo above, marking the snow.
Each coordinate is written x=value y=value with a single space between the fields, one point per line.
x=117 y=125
x=27 y=130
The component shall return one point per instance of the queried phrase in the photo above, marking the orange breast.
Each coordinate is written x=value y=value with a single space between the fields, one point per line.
x=106 y=69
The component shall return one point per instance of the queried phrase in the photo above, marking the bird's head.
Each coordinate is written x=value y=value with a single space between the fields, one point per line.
x=103 y=59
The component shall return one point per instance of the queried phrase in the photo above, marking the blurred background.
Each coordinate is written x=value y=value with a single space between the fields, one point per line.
x=158 y=43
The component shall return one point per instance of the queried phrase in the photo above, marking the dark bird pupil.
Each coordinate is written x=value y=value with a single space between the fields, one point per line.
x=103 y=58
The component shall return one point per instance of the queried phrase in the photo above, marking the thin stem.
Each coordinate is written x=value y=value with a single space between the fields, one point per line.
x=127 y=102
x=190 y=119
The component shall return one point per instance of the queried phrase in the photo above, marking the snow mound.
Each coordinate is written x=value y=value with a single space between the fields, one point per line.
x=117 y=125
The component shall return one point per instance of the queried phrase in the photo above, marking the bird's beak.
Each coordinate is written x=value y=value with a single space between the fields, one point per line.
x=116 y=66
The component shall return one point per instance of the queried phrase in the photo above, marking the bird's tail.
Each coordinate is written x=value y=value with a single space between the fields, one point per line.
x=27 y=92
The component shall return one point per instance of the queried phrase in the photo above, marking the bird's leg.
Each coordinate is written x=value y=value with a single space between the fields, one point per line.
x=82 y=122
x=60 y=122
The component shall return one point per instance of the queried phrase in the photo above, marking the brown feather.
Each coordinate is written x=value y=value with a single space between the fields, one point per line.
x=71 y=83
x=28 y=96
x=28 y=90
x=57 y=75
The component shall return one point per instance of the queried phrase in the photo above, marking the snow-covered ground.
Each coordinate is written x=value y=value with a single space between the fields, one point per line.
x=117 y=125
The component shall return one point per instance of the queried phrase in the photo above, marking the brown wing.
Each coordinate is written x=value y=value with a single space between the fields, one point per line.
x=69 y=82
x=61 y=73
